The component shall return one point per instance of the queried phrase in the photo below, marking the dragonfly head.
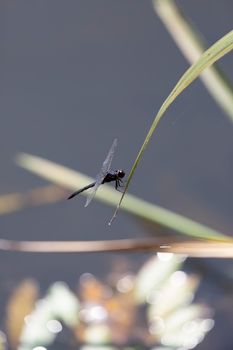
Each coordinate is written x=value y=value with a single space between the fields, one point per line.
x=120 y=173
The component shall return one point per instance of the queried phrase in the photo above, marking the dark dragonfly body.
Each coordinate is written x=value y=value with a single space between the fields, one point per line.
x=109 y=177
x=105 y=175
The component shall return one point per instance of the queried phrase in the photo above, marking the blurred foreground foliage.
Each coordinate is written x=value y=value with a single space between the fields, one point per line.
x=153 y=308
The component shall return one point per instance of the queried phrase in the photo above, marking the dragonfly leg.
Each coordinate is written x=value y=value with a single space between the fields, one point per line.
x=117 y=185
x=120 y=183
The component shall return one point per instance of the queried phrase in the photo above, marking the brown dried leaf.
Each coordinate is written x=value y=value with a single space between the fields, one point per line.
x=20 y=304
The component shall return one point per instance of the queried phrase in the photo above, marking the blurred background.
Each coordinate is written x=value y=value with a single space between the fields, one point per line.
x=77 y=74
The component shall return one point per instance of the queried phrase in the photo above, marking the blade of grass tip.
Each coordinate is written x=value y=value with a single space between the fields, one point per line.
x=191 y=44
x=215 y=52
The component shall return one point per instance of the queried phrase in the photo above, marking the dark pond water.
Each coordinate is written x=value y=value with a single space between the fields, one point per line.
x=76 y=74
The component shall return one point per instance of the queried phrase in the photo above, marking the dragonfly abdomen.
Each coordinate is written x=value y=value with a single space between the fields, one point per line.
x=81 y=190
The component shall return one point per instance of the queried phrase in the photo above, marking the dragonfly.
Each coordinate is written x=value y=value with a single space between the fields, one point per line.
x=105 y=175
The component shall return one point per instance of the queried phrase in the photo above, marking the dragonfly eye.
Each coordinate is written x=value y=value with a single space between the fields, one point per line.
x=120 y=173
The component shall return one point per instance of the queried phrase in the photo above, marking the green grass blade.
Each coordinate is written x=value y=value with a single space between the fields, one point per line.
x=133 y=205
x=190 y=42
x=215 y=52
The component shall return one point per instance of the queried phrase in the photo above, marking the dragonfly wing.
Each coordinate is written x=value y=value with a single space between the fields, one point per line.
x=108 y=161
x=92 y=193
x=103 y=172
